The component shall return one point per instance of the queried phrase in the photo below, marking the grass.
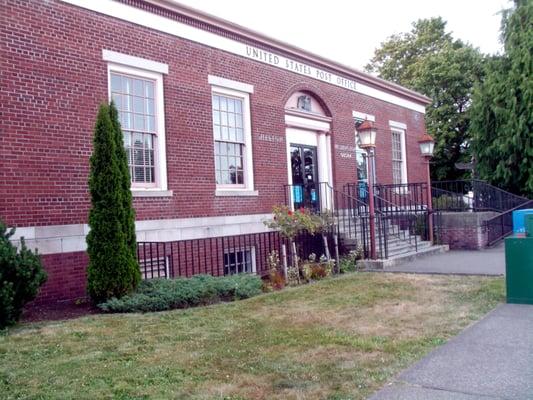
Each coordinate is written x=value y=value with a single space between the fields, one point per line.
x=342 y=338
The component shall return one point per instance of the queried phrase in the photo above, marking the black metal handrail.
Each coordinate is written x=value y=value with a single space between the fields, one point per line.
x=403 y=219
x=501 y=225
x=472 y=195
x=350 y=215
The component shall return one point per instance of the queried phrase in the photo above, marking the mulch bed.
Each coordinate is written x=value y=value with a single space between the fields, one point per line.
x=57 y=311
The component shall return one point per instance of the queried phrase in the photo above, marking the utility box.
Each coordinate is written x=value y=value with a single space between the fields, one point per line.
x=519 y=265
x=519 y=220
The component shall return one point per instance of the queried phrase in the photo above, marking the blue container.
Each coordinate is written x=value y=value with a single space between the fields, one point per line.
x=518 y=220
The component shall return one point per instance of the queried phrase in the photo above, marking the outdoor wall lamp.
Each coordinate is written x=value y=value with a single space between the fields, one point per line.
x=427 y=145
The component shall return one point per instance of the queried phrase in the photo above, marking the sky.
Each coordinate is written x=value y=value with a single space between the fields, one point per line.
x=348 y=31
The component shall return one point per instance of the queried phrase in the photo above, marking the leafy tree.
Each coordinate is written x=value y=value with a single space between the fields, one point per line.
x=502 y=111
x=427 y=59
x=21 y=275
x=111 y=271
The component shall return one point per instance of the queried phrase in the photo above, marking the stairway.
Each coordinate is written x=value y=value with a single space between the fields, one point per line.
x=393 y=244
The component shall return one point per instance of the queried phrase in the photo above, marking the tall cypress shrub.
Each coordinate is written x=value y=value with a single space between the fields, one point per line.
x=128 y=215
x=111 y=264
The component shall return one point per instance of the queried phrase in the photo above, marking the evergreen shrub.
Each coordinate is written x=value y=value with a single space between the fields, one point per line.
x=21 y=275
x=168 y=294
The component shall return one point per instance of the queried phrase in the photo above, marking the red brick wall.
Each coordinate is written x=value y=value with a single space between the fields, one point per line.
x=67 y=278
x=53 y=78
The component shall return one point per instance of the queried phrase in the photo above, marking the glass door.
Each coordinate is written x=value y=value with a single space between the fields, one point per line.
x=305 y=186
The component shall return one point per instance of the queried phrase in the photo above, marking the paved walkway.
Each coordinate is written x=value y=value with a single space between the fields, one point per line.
x=480 y=262
x=490 y=360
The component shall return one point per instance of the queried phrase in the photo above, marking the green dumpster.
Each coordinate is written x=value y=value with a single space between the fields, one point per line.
x=519 y=266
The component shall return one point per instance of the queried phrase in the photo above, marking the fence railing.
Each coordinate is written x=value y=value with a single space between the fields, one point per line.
x=350 y=215
x=404 y=209
x=502 y=225
x=224 y=255
x=408 y=197
x=472 y=195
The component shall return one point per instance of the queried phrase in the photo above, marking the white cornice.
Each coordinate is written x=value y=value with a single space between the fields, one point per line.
x=150 y=20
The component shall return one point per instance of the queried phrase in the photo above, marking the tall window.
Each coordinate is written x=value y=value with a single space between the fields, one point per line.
x=232 y=134
x=228 y=127
x=134 y=98
x=398 y=158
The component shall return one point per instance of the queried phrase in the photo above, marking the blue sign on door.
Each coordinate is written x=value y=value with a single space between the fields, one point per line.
x=297 y=194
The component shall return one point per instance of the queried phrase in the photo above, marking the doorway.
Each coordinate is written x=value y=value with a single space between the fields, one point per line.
x=305 y=187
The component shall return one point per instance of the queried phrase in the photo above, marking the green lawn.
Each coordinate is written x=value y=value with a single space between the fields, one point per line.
x=342 y=338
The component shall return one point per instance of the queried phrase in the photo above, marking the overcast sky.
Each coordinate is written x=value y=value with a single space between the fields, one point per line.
x=348 y=31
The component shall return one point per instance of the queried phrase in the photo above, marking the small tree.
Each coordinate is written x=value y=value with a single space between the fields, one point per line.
x=111 y=271
x=21 y=275
x=128 y=215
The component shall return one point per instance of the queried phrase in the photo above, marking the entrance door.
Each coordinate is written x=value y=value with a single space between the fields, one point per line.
x=305 y=186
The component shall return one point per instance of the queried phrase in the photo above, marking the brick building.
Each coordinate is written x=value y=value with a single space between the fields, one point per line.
x=217 y=121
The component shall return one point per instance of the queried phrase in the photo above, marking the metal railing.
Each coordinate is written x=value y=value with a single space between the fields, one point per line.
x=502 y=225
x=350 y=215
x=403 y=208
x=472 y=195
x=223 y=255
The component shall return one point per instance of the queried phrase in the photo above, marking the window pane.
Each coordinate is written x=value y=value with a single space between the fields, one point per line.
x=216 y=102
x=149 y=89
x=231 y=132
x=126 y=85
x=137 y=87
x=224 y=119
x=217 y=132
x=116 y=83
x=240 y=135
x=150 y=107
x=231 y=105
x=138 y=106
x=150 y=123
x=139 y=123
x=117 y=99
x=224 y=131
x=238 y=106
x=223 y=104
x=216 y=118
x=127 y=120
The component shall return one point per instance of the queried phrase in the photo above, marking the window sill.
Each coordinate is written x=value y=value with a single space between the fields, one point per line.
x=236 y=192
x=151 y=193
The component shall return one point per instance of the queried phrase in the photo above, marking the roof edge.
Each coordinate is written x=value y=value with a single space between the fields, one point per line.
x=240 y=30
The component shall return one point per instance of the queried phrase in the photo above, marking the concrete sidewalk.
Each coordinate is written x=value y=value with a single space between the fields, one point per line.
x=492 y=359
x=475 y=262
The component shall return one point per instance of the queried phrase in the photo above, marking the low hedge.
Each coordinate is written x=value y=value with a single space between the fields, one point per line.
x=168 y=294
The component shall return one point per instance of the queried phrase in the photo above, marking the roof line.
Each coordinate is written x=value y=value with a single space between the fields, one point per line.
x=294 y=50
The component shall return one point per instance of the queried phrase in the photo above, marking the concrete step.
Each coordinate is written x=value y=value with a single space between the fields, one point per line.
x=401 y=258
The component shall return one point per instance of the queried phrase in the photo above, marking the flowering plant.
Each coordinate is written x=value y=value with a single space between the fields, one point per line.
x=289 y=222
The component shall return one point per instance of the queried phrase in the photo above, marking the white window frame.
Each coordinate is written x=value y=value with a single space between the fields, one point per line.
x=240 y=90
x=251 y=249
x=400 y=128
x=151 y=70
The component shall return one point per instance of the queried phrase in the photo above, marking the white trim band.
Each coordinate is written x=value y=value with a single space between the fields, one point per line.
x=230 y=84
x=363 y=116
x=54 y=239
x=132 y=61
x=395 y=124
x=178 y=29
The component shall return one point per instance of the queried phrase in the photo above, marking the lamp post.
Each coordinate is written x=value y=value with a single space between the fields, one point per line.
x=427 y=145
x=367 y=141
